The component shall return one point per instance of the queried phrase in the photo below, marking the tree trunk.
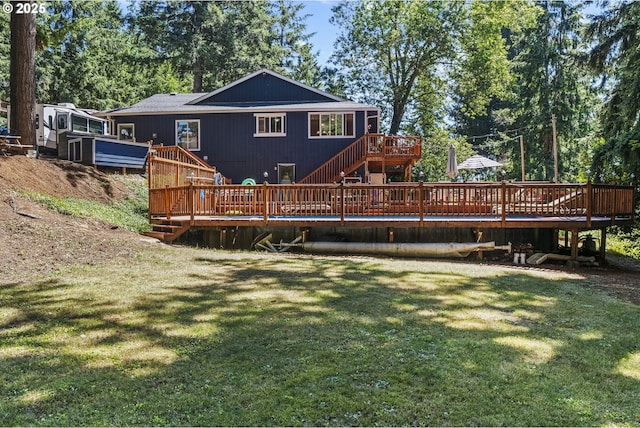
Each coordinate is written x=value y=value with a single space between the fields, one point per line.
x=22 y=74
x=198 y=71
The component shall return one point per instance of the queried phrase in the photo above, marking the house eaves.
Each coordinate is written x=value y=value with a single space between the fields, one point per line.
x=148 y=109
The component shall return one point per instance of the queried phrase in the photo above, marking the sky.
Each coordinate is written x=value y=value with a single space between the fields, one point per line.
x=318 y=22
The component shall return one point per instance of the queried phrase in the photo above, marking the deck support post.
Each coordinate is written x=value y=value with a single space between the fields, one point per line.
x=478 y=233
x=223 y=237
x=614 y=207
x=603 y=245
x=191 y=201
x=503 y=196
x=390 y=237
x=574 y=244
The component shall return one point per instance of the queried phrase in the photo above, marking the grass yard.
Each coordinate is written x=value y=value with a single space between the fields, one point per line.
x=184 y=336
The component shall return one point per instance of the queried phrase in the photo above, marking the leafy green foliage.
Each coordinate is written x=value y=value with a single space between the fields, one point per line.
x=90 y=59
x=5 y=49
x=552 y=82
x=215 y=43
x=617 y=58
x=483 y=71
x=385 y=46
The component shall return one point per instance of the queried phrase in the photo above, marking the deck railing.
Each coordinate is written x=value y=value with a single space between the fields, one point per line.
x=417 y=200
x=174 y=167
x=355 y=154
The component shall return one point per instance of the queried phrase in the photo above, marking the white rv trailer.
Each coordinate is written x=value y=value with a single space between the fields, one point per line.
x=75 y=134
x=55 y=121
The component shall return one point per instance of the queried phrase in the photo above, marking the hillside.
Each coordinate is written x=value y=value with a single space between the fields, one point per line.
x=38 y=241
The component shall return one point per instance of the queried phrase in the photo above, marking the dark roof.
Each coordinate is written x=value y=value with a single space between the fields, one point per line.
x=246 y=94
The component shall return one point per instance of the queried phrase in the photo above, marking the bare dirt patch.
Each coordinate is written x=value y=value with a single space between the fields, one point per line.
x=37 y=241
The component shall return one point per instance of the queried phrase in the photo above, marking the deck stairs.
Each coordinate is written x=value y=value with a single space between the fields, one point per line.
x=372 y=149
x=168 y=230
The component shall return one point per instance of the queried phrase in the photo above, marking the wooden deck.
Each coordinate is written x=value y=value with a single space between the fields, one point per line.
x=181 y=197
x=483 y=205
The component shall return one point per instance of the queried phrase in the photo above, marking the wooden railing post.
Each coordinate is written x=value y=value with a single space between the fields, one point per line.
x=191 y=201
x=613 y=205
x=587 y=202
x=167 y=204
x=503 y=215
x=265 y=201
x=421 y=202
x=342 y=204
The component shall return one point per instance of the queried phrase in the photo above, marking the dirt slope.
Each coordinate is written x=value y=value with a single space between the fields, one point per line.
x=35 y=240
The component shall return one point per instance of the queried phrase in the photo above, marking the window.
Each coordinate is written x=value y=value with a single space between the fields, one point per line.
x=126 y=132
x=270 y=125
x=188 y=134
x=331 y=125
x=85 y=124
x=75 y=150
x=79 y=123
x=62 y=121
x=96 y=126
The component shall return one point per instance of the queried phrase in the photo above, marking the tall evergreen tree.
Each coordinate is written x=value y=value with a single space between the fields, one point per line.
x=616 y=57
x=22 y=72
x=292 y=38
x=217 y=42
x=551 y=83
x=89 y=59
x=5 y=52
x=483 y=78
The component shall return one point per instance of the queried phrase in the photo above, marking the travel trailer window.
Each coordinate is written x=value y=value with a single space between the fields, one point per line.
x=79 y=123
x=62 y=121
x=96 y=127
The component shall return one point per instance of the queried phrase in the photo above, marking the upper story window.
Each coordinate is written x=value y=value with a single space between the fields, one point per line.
x=188 y=134
x=326 y=125
x=270 y=125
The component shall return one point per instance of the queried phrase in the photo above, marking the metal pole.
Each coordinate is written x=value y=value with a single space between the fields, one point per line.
x=522 y=154
x=555 y=148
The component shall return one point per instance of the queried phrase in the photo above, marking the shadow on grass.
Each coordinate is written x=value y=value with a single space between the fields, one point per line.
x=246 y=340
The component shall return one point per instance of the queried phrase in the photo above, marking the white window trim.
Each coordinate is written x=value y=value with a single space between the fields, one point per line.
x=197 y=149
x=282 y=116
x=343 y=113
x=127 y=125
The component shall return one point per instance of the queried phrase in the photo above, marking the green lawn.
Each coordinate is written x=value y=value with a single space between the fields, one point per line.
x=183 y=336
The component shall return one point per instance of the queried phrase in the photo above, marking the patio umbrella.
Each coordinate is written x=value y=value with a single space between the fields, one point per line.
x=452 y=163
x=478 y=162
